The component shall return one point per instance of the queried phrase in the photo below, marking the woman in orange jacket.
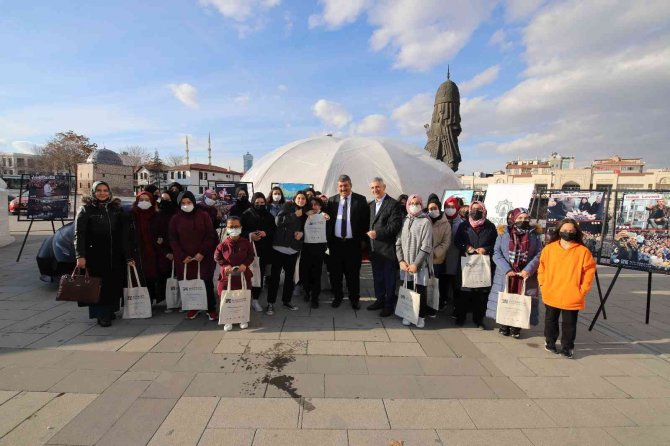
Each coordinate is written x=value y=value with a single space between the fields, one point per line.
x=565 y=274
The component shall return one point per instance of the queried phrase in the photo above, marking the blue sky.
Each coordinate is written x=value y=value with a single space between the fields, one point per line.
x=582 y=78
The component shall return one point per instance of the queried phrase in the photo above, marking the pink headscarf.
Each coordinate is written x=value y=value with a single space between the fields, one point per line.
x=477 y=223
x=409 y=200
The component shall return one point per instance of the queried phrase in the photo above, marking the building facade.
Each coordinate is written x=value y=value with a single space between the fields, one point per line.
x=197 y=177
x=148 y=174
x=105 y=165
x=17 y=163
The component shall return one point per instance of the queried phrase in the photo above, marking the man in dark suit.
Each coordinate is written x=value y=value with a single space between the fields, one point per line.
x=385 y=225
x=349 y=221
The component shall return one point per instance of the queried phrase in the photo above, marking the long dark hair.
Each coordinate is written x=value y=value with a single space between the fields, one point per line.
x=270 y=199
x=557 y=231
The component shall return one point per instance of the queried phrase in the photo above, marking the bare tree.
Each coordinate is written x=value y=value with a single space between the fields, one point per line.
x=137 y=155
x=175 y=160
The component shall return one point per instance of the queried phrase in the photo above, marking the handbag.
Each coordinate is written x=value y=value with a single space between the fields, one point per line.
x=476 y=271
x=513 y=309
x=255 y=268
x=235 y=305
x=84 y=289
x=172 y=299
x=193 y=292
x=408 y=303
x=434 y=293
x=136 y=300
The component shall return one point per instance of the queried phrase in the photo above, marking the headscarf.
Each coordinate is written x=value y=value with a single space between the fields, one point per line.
x=143 y=228
x=168 y=207
x=94 y=200
x=519 y=242
x=432 y=198
x=206 y=194
x=187 y=194
x=409 y=200
x=453 y=201
x=176 y=195
x=477 y=223
x=255 y=197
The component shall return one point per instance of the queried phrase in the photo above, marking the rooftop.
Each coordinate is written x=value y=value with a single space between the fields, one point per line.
x=203 y=167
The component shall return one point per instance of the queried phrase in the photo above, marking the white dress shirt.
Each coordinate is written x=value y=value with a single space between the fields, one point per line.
x=378 y=204
x=338 y=223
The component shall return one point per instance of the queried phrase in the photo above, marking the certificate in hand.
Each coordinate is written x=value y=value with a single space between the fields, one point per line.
x=315 y=229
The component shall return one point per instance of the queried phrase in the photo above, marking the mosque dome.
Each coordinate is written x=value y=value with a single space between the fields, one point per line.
x=104 y=156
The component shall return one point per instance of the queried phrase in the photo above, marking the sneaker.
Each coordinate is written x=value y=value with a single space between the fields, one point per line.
x=550 y=348
x=228 y=327
x=289 y=306
x=270 y=310
x=432 y=313
x=244 y=325
x=421 y=323
x=567 y=352
x=516 y=333
x=505 y=331
x=192 y=314
x=406 y=322
x=480 y=325
x=256 y=306
x=213 y=315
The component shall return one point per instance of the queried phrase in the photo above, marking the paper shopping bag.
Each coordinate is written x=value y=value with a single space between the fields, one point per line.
x=255 y=268
x=235 y=305
x=514 y=309
x=136 y=300
x=476 y=271
x=172 y=299
x=408 y=303
x=434 y=293
x=193 y=293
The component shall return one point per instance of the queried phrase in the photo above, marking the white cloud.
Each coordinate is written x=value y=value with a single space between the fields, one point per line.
x=520 y=9
x=249 y=15
x=371 y=125
x=331 y=113
x=499 y=39
x=418 y=35
x=411 y=116
x=282 y=88
x=242 y=99
x=23 y=146
x=187 y=94
x=484 y=78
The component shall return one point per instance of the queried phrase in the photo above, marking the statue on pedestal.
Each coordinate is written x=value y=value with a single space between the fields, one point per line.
x=445 y=125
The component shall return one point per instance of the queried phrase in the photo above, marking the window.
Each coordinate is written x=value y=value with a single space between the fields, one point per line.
x=171 y=176
x=80 y=186
x=202 y=190
x=103 y=175
x=200 y=175
x=179 y=175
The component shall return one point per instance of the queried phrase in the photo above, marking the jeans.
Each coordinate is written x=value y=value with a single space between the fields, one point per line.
x=568 y=326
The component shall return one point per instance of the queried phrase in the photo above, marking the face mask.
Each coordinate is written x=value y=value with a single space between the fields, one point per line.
x=434 y=213
x=415 y=208
x=477 y=215
x=522 y=224
x=165 y=204
x=259 y=207
x=187 y=208
x=209 y=201
x=234 y=232
x=144 y=205
x=242 y=199
x=568 y=236
x=450 y=212
x=276 y=197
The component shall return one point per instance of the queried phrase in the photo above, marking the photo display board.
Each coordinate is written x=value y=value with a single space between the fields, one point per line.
x=463 y=194
x=227 y=198
x=502 y=198
x=48 y=196
x=290 y=189
x=588 y=208
x=641 y=234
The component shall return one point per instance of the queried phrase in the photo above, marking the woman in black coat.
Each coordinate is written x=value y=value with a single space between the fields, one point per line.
x=258 y=225
x=101 y=232
x=476 y=235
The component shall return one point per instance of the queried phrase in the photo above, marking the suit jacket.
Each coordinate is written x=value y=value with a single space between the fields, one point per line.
x=360 y=216
x=388 y=224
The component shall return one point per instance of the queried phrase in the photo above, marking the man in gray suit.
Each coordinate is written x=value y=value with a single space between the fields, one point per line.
x=385 y=225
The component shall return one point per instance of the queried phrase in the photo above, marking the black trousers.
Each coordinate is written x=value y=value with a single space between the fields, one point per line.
x=345 y=260
x=286 y=262
x=450 y=285
x=475 y=300
x=568 y=326
x=256 y=291
x=423 y=300
x=311 y=265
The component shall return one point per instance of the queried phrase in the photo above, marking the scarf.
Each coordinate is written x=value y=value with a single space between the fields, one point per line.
x=519 y=242
x=454 y=202
x=143 y=227
x=476 y=224
x=409 y=200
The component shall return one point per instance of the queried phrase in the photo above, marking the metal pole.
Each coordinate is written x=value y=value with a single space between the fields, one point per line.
x=646 y=320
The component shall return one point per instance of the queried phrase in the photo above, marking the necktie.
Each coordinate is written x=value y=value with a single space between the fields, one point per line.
x=345 y=216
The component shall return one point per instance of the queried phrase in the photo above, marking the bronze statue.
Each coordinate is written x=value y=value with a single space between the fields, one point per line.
x=445 y=125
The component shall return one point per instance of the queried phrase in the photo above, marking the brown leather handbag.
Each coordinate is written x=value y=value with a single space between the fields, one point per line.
x=79 y=288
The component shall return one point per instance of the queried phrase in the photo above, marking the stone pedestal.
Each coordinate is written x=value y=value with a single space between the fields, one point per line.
x=5 y=238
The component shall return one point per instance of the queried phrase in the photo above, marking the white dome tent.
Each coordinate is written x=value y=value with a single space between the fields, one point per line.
x=405 y=168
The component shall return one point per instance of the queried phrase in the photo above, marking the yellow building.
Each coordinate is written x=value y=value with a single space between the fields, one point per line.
x=105 y=165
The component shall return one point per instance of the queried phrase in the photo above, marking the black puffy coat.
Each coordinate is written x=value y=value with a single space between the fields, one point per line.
x=253 y=220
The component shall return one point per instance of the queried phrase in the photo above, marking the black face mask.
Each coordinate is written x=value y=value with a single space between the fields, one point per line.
x=243 y=199
x=568 y=236
x=477 y=215
x=523 y=225
x=166 y=205
x=260 y=207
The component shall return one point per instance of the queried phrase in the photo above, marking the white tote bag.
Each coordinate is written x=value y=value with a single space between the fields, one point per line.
x=296 y=273
x=434 y=293
x=172 y=299
x=514 y=309
x=235 y=304
x=193 y=292
x=136 y=300
x=476 y=271
x=408 y=303
x=255 y=268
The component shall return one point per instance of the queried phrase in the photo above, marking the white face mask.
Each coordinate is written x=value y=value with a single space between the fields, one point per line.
x=187 y=207
x=415 y=208
x=434 y=213
x=144 y=205
x=276 y=197
x=209 y=201
x=234 y=232
x=450 y=212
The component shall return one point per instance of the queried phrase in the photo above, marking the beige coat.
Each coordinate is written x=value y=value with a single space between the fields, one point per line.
x=442 y=239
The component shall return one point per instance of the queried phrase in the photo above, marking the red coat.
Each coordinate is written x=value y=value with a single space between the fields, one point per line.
x=190 y=234
x=234 y=253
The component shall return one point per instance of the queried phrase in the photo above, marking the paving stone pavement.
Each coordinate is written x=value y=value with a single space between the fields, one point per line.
x=325 y=376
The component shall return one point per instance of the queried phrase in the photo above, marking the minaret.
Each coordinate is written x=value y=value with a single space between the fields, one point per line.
x=187 y=158
x=209 y=147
